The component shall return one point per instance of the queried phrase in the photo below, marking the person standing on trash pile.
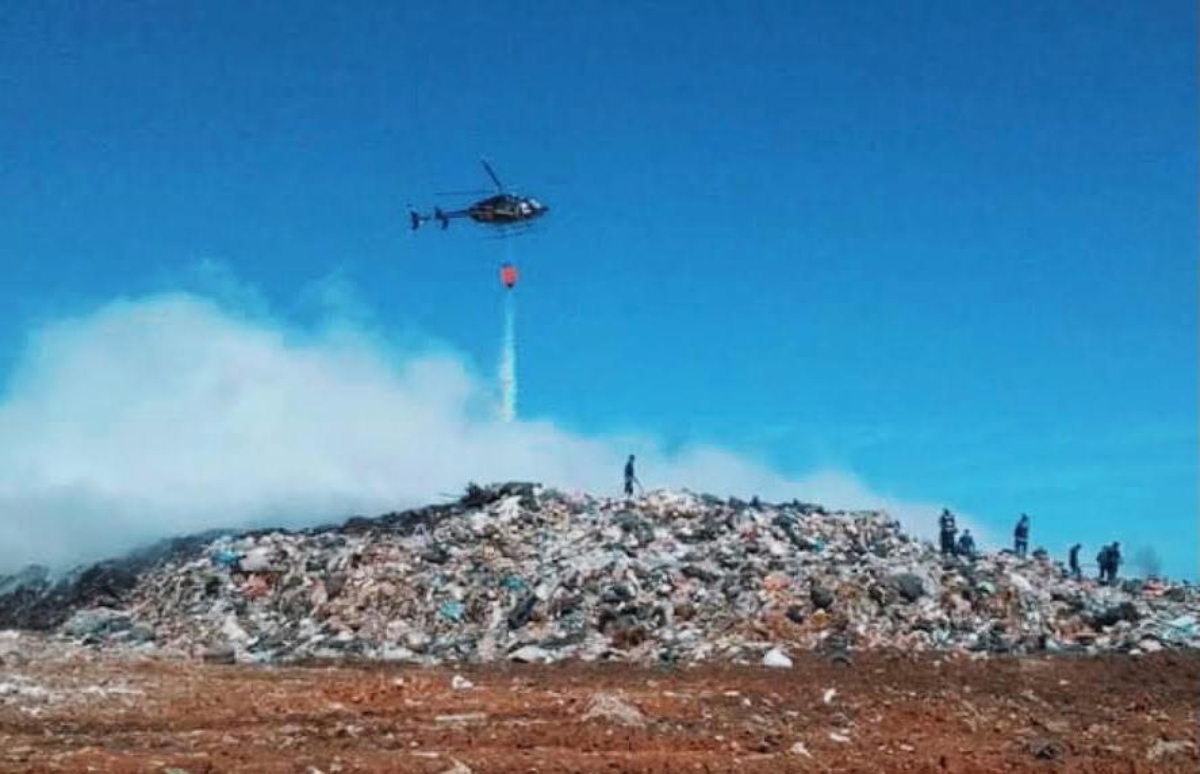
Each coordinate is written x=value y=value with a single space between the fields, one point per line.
x=948 y=531
x=966 y=545
x=630 y=478
x=1021 y=537
x=1073 y=562
x=1102 y=563
x=1112 y=560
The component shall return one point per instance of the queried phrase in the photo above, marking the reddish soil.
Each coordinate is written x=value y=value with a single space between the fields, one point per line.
x=889 y=713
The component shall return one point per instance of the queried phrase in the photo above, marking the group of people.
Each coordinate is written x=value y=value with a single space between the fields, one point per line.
x=954 y=544
x=1108 y=560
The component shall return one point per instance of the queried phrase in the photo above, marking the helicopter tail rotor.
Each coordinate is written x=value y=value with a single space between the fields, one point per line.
x=415 y=218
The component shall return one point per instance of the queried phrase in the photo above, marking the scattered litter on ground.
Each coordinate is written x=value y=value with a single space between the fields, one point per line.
x=1048 y=749
x=777 y=658
x=1164 y=749
x=615 y=709
x=799 y=749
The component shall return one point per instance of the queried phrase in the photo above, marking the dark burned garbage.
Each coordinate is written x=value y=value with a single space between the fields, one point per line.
x=514 y=571
x=36 y=600
x=480 y=496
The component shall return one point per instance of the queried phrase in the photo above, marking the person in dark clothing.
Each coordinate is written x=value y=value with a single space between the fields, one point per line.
x=1114 y=562
x=1102 y=563
x=966 y=545
x=948 y=531
x=1021 y=537
x=1073 y=562
x=630 y=478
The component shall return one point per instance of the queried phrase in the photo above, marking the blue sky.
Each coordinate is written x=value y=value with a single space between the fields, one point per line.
x=951 y=249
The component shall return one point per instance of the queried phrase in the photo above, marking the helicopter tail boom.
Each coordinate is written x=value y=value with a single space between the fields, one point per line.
x=415 y=218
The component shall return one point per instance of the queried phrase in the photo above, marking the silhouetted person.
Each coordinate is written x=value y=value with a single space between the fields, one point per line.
x=1073 y=562
x=630 y=478
x=1113 y=563
x=1102 y=562
x=966 y=545
x=1021 y=537
x=948 y=530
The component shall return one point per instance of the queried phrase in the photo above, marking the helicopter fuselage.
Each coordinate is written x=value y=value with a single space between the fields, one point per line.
x=503 y=209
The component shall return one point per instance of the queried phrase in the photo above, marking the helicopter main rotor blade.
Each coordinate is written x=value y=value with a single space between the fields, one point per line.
x=492 y=174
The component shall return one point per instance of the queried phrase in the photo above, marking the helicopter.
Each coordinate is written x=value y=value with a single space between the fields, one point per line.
x=502 y=209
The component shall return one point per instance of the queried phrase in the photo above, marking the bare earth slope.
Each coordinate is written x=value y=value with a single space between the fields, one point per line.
x=76 y=710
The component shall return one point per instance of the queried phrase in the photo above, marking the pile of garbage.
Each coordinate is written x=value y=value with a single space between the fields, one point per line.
x=517 y=572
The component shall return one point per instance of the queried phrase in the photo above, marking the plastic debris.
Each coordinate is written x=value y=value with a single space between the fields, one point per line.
x=777 y=658
x=615 y=709
x=532 y=654
x=1166 y=749
x=452 y=611
x=1047 y=749
x=799 y=748
x=97 y=622
x=519 y=573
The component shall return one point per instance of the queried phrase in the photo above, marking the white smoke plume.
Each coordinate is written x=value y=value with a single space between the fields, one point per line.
x=171 y=413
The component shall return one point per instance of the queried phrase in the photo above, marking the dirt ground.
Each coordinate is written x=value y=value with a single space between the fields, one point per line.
x=883 y=713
